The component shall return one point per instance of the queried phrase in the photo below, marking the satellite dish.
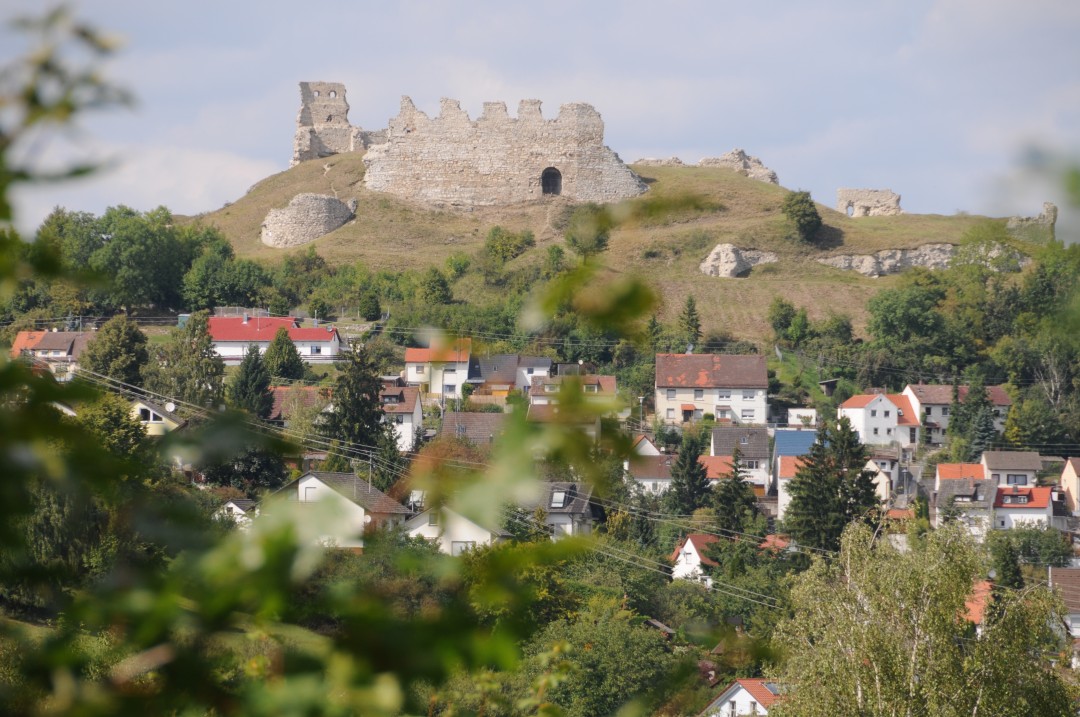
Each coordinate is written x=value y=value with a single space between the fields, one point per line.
x=367 y=519
x=170 y=407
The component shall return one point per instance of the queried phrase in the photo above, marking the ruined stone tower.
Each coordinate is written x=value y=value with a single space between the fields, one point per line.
x=322 y=127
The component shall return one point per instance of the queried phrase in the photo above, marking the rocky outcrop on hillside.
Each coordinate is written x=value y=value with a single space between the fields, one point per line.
x=743 y=163
x=894 y=261
x=727 y=260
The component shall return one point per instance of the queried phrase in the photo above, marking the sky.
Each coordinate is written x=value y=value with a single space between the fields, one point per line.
x=957 y=105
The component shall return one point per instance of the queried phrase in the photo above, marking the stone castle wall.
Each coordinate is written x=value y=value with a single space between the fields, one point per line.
x=322 y=126
x=498 y=159
x=868 y=202
x=743 y=163
x=306 y=218
x=1036 y=229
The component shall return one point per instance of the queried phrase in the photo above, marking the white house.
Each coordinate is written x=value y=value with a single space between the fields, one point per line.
x=752 y=445
x=689 y=559
x=786 y=468
x=733 y=388
x=968 y=501
x=238 y=510
x=502 y=373
x=882 y=419
x=1012 y=467
x=567 y=507
x=156 y=420
x=1023 y=507
x=1070 y=484
x=59 y=351
x=746 y=696
x=453 y=532
x=544 y=390
x=441 y=369
x=932 y=403
x=355 y=506
x=232 y=335
x=402 y=408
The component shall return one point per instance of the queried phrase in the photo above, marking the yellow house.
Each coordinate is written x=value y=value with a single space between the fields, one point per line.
x=1070 y=484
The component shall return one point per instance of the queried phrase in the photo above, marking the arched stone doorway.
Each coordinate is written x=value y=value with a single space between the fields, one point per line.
x=551 y=181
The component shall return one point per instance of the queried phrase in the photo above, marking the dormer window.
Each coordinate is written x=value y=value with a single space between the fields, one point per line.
x=558 y=498
x=550 y=387
x=591 y=388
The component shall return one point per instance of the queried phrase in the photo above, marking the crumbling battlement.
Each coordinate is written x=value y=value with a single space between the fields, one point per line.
x=308 y=217
x=497 y=159
x=743 y=163
x=868 y=202
x=322 y=126
x=1036 y=229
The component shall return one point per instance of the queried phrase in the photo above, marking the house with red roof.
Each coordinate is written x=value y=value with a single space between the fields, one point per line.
x=57 y=350
x=232 y=335
x=1023 y=507
x=882 y=418
x=689 y=559
x=745 y=696
x=441 y=369
x=958 y=471
x=653 y=472
x=786 y=468
x=733 y=388
x=933 y=401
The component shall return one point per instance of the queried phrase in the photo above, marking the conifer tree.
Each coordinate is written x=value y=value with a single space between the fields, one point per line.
x=689 y=480
x=733 y=499
x=250 y=389
x=357 y=416
x=690 y=321
x=831 y=488
x=282 y=359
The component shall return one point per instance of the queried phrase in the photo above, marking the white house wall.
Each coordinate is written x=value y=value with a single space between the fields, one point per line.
x=670 y=409
x=345 y=527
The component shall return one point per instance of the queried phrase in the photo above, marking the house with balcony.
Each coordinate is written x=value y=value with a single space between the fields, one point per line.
x=544 y=390
x=732 y=388
x=932 y=403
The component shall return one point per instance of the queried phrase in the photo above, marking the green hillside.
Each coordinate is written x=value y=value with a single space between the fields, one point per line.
x=666 y=248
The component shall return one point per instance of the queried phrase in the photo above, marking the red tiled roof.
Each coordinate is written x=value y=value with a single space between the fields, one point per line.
x=711 y=371
x=1038 y=497
x=941 y=394
x=457 y=351
x=1068 y=582
x=699 y=541
x=957 y=471
x=757 y=689
x=906 y=415
x=24 y=341
x=774 y=542
x=977 y=601
x=901 y=514
x=716 y=467
x=257 y=329
x=789 y=466
x=651 y=467
x=687 y=407
x=859 y=401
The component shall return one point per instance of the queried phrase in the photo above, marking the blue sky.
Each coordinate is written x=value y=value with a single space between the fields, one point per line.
x=941 y=101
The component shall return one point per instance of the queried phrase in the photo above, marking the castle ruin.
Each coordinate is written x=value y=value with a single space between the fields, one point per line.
x=305 y=219
x=453 y=160
x=868 y=202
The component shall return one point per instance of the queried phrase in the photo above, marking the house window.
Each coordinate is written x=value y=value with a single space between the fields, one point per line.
x=433 y=518
x=550 y=387
x=929 y=411
x=148 y=416
x=1002 y=524
x=315 y=350
x=591 y=388
x=873 y=412
x=448 y=388
x=399 y=418
x=875 y=430
x=558 y=498
x=888 y=431
x=671 y=413
x=671 y=394
x=887 y=413
x=309 y=493
x=750 y=465
x=529 y=371
x=944 y=410
x=699 y=394
x=457 y=547
x=744 y=440
x=995 y=476
x=748 y=414
x=450 y=369
x=1015 y=479
x=698 y=414
x=748 y=395
x=724 y=393
x=421 y=369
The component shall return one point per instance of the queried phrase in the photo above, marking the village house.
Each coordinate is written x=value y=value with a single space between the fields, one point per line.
x=882 y=419
x=753 y=447
x=744 y=697
x=968 y=501
x=403 y=410
x=578 y=420
x=653 y=471
x=1012 y=467
x=59 y=351
x=232 y=335
x=290 y=399
x=544 y=390
x=239 y=511
x=1023 y=507
x=503 y=374
x=156 y=420
x=441 y=370
x=786 y=468
x=451 y=531
x=1070 y=484
x=732 y=388
x=480 y=429
x=1066 y=582
x=689 y=560
x=351 y=506
x=568 y=508
x=932 y=403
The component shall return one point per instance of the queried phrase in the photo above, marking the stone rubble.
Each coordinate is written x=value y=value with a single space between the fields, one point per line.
x=727 y=260
x=742 y=162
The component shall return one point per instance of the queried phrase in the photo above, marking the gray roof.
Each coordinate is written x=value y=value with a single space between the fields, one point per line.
x=575 y=501
x=352 y=487
x=161 y=410
x=501 y=368
x=980 y=494
x=753 y=443
x=477 y=428
x=1012 y=460
x=244 y=504
x=71 y=342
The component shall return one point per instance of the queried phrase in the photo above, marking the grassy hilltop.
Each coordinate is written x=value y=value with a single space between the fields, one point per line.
x=395 y=234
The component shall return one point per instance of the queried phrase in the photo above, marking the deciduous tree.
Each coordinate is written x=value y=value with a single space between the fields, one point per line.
x=187 y=367
x=118 y=351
